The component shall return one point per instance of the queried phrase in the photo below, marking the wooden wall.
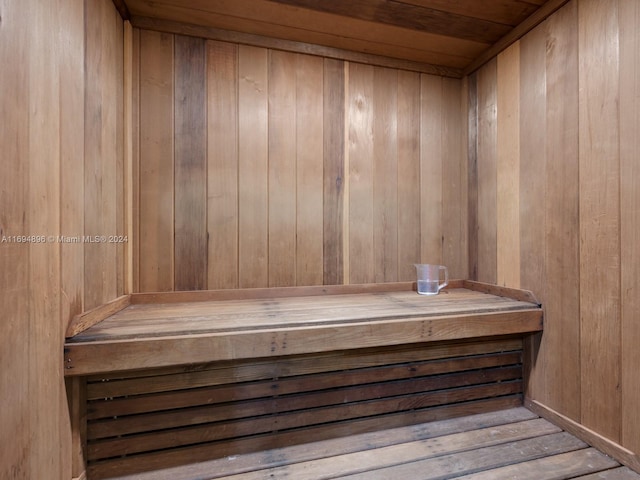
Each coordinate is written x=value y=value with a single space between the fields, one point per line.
x=555 y=203
x=61 y=141
x=257 y=167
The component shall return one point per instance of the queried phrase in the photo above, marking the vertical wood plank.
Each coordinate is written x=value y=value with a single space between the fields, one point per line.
x=385 y=175
x=190 y=180
x=599 y=217
x=561 y=296
x=472 y=174
x=44 y=375
x=72 y=162
x=629 y=17
x=408 y=174
x=431 y=161
x=71 y=208
x=309 y=169
x=118 y=231
x=334 y=170
x=454 y=179
x=222 y=158
x=282 y=169
x=253 y=171
x=508 y=167
x=487 y=173
x=156 y=162
x=360 y=124
x=103 y=50
x=128 y=153
x=532 y=185
x=134 y=239
x=14 y=257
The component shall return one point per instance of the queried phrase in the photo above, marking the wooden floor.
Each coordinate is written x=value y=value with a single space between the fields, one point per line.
x=510 y=444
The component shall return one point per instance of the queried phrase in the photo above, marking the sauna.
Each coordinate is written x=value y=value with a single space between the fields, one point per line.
x=211 y=214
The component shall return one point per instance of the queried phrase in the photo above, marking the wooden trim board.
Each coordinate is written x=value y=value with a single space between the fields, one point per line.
x=618 y=452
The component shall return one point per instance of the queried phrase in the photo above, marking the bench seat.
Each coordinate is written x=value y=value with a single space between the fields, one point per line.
x=168 y=379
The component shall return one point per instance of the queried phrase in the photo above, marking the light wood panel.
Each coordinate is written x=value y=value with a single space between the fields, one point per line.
x=385 y=168
x=431 y=169
x=532 y=181
x=334 y=181
x=361 y=174
x=14 y=257
x=103 y=50
x=629 y=15
x=561 y=187
x=309 y=169
x=155 y=254
x=319 y=171
x=253 y=155
x=508 y=167
x=48 y=189
x=455 y=229
x=577 y=216
x=487 y=174
x=282 y=169
x=409 y=171
x=222 y=171
x=599 y=182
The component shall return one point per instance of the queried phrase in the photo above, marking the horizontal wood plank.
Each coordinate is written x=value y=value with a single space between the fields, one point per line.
x=161 y=462
x=110 y=356
x=137 y=382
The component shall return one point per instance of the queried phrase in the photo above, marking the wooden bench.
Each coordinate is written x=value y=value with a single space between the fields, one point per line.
x=174 y=378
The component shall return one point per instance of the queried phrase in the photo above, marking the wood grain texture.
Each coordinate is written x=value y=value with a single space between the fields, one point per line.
x=253 y=207
x=408 y=174
x=156 y=211
x=334 y=176
x=15 y=356
x=472 y=174
x=223 y=35
x=629 y=18
x=106 y=356
x=455 y=248
x=190 y=164
x=48 y=54
x=431 y=160
x=412 y=17
x=222 y=165
x=72 y=165
x=282 y=185
x=102 y=123
x=361 y=174
x=533 y=182
x=385 y=175
x=487 y=173
x=599 y=181
x=508 y=167
x=309 y=170
x=304 y=25
x=562 y=258
x=277 y=219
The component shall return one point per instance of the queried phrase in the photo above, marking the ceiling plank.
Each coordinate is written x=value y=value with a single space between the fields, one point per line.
x=406 y=15
x=507 y=12
x=267 y=18
x=212 y=33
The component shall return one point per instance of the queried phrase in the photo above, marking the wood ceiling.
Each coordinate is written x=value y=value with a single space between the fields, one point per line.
x=446 y=37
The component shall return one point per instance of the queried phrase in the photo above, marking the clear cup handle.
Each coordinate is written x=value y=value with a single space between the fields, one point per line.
x=446 y=278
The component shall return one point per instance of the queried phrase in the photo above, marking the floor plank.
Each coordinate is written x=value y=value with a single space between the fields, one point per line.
x=509 y=444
